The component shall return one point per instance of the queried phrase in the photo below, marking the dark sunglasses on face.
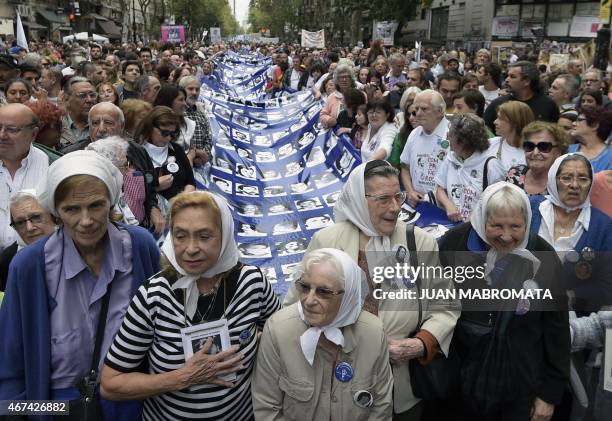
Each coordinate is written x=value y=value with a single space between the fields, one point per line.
x=165 y=133
x=543 y=147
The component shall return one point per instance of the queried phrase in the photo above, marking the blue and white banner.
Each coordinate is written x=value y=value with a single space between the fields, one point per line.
x=279 y=169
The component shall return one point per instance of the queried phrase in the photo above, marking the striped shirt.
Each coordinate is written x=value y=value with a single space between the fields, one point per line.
x=151 y=329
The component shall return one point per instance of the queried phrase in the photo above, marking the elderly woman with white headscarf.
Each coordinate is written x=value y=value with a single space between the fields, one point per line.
x=323 y=357
x=204 y=300
x=513 y=352
x=67 y=293
x=580 y=233
x=367 y=228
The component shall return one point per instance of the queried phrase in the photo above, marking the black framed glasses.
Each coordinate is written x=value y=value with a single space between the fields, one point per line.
x=320 y=292
x=168 y=133
x=544 y=147
x=35 y=219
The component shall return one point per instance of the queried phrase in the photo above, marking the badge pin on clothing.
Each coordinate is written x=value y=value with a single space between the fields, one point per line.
x=344 y=372
x=588 y=254
x=244 y=337
x=583 y=270
x=172 y=165
x=363 y=399
x=572 y=256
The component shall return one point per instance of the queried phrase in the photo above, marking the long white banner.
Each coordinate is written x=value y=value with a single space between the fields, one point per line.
x=313 y=39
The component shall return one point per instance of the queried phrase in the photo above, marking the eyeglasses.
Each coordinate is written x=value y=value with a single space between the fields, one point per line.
x=34 y=219
x=165 y=133
x=375 y=112
x=14 y=130
x=385 y=199
x=320 y=292
x=589 y=81
x=568 y=180
x=85 y=95
x=543 y=147
x=581 y=118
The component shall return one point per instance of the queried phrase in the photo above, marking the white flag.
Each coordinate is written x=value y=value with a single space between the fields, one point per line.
x=21 y=38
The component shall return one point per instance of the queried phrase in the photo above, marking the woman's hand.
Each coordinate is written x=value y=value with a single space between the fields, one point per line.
x=343 y=130
x=453 y=213
x=403 y=350
x=158 y=221
x=165 y=181
x=541 y=411
x=203 y=368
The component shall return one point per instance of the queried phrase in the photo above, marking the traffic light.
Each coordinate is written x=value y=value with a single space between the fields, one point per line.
x=71 y=17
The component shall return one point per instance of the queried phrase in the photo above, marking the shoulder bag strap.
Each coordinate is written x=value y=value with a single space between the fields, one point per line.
x=485 y=175
x=414 y=262
x=100 y=331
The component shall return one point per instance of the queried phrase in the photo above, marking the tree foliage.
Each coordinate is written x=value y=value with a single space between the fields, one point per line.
x=200 y=15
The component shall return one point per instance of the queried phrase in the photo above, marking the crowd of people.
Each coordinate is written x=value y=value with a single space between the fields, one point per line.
x=101 y=147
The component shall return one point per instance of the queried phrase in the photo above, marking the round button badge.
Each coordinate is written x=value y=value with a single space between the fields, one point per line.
x=344 y=372
x=172 y=167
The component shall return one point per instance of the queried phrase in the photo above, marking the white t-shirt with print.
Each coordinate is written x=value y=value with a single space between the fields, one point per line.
x=463 y=179
x=424 y=153
x=510 y=156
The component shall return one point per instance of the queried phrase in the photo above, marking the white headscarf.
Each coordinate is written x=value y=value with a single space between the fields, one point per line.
x=553 y=192
x=81 y=163
x=350 y=307
x=228 y=256
x=352 y=206
x=479 y=220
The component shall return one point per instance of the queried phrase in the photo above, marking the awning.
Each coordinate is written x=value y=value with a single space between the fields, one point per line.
x=110 y=28
x=33 y=25
x=97 y=17
x=51 y=16
x=110 y=7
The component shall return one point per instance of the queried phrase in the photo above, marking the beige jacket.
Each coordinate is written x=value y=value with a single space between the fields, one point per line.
x=285 y=387
x=399 y=317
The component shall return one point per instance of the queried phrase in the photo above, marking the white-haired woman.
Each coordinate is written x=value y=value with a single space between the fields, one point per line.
x=202 y=282
x=367 y=228
x=323 y=357
x=59 y=287
x=30 y=221
x=513 y=354
x=344 y=78
x=130 y=209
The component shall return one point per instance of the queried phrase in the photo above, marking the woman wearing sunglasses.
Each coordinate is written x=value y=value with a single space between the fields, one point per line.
x=323 y=357
x=158 y=132
x=367 y=228
x=543 y=143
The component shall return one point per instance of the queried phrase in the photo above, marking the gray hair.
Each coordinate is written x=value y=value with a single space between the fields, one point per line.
x=470 y=132
x=436 y=100
x=22 y=196
x=72 y=81
x=113 y=148
x=344 y=68
x=570 y=84
x=186 y=80
x=381 y=171
x=318 y=257
x=411 y=91
x=32 y=59
x=117 y=110
x=141 y=84
x=507 y=198
x=484 y=51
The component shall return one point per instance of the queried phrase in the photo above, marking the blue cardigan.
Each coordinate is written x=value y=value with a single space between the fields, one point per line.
x=25 y=348
x=596 y=291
